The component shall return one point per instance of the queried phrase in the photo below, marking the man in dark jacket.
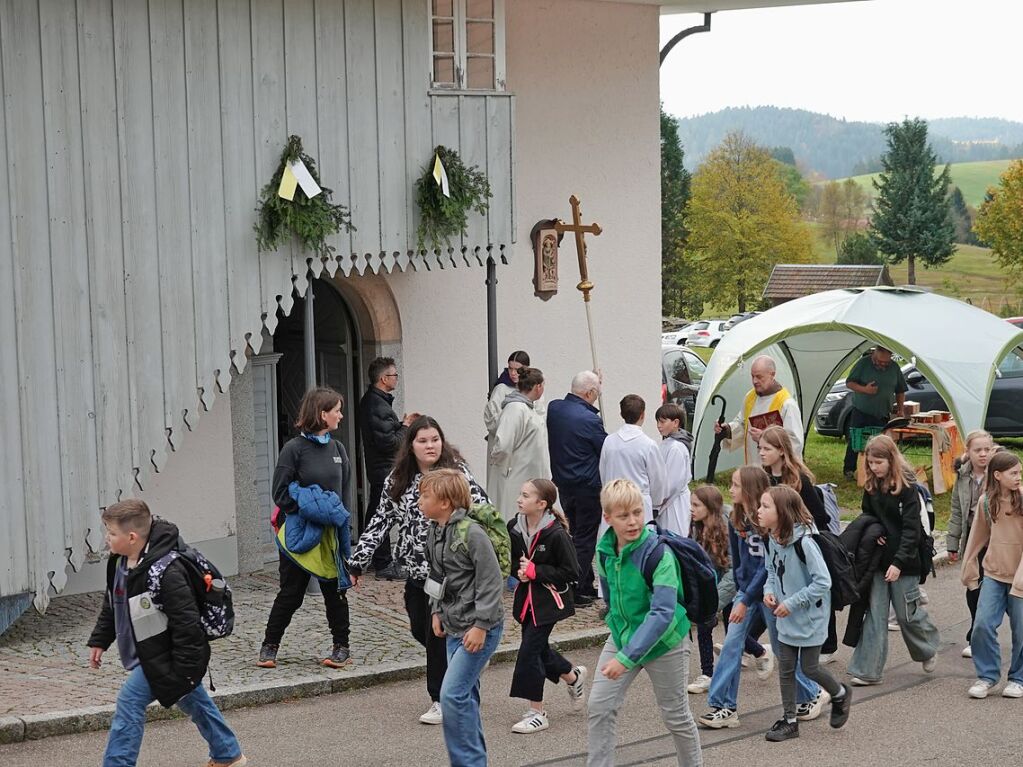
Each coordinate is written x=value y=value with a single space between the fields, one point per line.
x=382 y=433
x=155 y=620
x=575 y=436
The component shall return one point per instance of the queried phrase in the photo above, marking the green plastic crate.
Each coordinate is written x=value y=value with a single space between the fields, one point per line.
x=859 y=437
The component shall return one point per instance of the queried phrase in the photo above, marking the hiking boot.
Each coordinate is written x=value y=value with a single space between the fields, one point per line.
x=807 y=712
x=577 y=689
x=718 y=718
x=339 y=657
x=1013 y=690
x=764 y=664
x=268 y=656
x=432 y=715
x=241 y=761
x=980 y=688
x=699 y=685
x=782 y=730
x=533 y=721
x=390 y=573
x=840 y=707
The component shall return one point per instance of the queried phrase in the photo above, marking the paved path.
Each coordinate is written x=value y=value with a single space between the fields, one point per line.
x=44 y=660
x=912 y=720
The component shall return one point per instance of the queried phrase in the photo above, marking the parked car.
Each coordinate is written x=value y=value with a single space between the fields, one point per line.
x=705 y=333
x=735 y=319
x=1004 y=413
x=677 y=336
x=1017 y=321
x=681 y=374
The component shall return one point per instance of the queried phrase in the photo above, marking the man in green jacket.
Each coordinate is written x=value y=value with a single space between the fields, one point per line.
x=649 y=629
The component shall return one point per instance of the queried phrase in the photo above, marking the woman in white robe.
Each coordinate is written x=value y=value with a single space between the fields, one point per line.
x=518 y=449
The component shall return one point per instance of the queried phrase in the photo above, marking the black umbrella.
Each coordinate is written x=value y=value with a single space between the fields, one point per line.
x=721 y=436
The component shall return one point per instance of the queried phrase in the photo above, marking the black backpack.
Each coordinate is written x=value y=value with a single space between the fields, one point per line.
x=699 y=578
x=840 y=567
x=212 y=594
x=927 y=551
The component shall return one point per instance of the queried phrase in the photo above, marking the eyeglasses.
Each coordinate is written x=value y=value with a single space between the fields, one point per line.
x=390 y=375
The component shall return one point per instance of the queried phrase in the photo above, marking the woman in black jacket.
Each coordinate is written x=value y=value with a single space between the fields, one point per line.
x=784 y=467
x=543 y=558
x=890 y=495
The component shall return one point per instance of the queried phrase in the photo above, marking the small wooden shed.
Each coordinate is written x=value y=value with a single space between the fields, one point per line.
x=790 y=281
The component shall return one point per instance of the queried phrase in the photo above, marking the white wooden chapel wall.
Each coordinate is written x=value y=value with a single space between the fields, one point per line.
x=135 y=140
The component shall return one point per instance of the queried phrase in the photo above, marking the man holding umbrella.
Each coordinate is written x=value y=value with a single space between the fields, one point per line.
x=768 y=403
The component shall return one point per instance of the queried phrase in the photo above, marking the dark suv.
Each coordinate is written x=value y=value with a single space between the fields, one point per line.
x=681 y=373
x=1004 y=412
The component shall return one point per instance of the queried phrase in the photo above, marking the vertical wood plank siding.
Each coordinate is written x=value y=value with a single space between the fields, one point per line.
x=135 y=140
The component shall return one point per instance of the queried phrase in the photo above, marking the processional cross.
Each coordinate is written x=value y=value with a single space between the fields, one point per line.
x=580 y=230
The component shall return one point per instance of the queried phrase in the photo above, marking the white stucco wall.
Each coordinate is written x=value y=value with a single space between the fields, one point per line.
x=586 y=79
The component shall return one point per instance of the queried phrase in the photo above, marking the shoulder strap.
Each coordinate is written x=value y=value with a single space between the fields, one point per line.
x=799 y=549
x=651 y=562
x=987 y=511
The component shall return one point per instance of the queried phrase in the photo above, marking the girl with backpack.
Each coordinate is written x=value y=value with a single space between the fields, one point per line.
x=798 y=593
x=890 y=495
x=709 y=528
x=998 y=527
x=423 y=448
x=747 y=555
x=784 y=466
x=966 y=494
x=543 y=558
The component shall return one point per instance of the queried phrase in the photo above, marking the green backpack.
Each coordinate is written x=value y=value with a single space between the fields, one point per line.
x=493 y=524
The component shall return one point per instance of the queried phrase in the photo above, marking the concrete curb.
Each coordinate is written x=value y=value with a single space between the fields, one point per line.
x=15 y=729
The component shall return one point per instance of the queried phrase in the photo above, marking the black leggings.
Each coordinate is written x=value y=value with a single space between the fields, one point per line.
x=536 y=662
x=809 y=658
x=289 y=598
x=420 y=623
x=705 y=640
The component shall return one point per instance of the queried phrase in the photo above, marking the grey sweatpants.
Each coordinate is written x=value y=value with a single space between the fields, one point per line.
x=809 y=660
x=668 y=676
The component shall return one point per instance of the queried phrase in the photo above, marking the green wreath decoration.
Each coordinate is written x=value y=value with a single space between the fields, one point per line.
x=441 y=216
x=311 y=219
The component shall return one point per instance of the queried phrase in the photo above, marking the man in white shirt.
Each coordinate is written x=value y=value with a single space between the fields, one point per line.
x=631 y=454
x=767 y=398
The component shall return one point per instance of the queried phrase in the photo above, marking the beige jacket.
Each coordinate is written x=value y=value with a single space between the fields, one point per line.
x=1004 y=559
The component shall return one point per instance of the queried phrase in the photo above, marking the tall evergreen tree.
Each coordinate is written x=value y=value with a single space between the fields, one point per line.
x=676 y=279
x=911 y=210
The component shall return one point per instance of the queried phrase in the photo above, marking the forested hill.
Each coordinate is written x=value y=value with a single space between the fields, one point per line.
x=836 y=148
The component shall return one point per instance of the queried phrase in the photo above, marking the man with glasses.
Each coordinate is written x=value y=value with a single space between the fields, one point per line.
x=382 y=432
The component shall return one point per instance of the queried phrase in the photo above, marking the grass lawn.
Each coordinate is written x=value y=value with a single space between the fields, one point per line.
x=973 y=178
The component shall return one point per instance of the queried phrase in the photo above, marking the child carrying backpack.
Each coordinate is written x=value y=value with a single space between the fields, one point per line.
x=648 y=625
x=798 y=592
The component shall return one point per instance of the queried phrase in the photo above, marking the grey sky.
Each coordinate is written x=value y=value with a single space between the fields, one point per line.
x=879 y=60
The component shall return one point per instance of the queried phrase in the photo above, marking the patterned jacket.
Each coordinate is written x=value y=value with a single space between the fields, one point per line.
x=410 y=548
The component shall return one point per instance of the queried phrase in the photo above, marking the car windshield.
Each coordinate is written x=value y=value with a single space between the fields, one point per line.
x=1012 y=365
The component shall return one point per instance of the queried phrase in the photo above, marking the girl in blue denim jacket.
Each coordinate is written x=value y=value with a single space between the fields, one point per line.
x=798 y=592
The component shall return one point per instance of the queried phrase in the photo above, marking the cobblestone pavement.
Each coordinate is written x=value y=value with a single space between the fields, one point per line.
x=44 y=664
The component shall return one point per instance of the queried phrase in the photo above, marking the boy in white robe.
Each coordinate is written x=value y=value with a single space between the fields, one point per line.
x=674 y=514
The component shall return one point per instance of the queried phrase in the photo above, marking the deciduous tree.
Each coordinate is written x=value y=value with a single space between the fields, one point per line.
x=911 y=210
x=1000 y=220
x=742 y=221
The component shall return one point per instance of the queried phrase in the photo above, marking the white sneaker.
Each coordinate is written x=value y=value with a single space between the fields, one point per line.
x=893 y=625
x=807 y=712
x=980 y=688
x=433 y=715
x=930 y=664
x=533 y=721
x=699 y=685
x=748 y=660
x=764 y=664
x=828 y=657
x=577 y=689
x=719 y=718
x=717 y=648
x=967 y=652
x=860 y=682
x=1013 y=690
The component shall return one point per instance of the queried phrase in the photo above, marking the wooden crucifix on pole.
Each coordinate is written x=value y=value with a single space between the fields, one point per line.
x=580 y=230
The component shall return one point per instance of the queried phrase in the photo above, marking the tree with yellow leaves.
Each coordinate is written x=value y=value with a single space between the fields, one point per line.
x=1000 y=220
x=742 y=221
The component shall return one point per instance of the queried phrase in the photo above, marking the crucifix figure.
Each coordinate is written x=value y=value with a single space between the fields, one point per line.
x=585 y=286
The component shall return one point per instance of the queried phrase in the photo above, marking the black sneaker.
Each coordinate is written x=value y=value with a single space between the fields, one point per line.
x=339 y=657
x=840 y=707
x=268 y=656
x=782 y=730
x=389 y=573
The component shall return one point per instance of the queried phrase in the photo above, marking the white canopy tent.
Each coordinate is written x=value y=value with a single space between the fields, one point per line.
x=815 y=338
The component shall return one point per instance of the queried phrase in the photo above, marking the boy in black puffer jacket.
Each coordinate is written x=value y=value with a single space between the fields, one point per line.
x=163 y=646
x=544 y=561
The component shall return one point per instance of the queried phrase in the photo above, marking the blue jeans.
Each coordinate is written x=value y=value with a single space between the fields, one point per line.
x=806 y=689
x=125 y=737
x=995 y=601
x=460 y=700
